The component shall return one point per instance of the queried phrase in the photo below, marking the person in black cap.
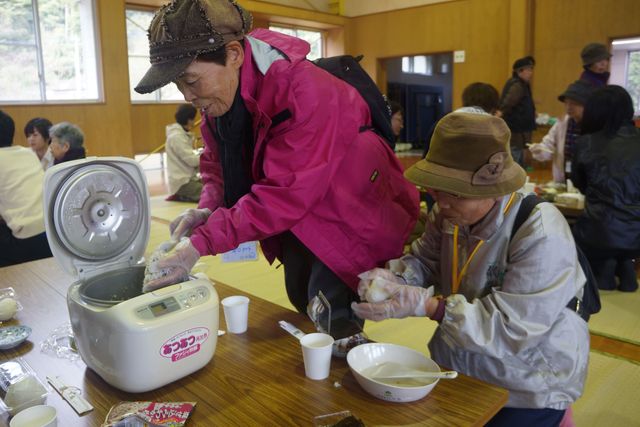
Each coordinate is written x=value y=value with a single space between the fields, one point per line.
x=517 y=108
x=558 y=143
x=595 y=61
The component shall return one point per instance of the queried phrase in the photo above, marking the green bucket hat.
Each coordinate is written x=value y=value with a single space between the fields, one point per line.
x=594 y=52
x=184 y=29
x=470 y=157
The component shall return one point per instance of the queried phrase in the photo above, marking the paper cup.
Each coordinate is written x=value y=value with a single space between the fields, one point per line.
x=316 y=352
x=236 y=313
x=35 y=416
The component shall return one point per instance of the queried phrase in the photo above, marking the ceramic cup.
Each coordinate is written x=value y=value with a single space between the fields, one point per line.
x=316 y=352
x=35 y=416
x=236 y=313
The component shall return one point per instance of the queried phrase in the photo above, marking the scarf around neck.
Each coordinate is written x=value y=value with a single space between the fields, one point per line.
x=234 y=133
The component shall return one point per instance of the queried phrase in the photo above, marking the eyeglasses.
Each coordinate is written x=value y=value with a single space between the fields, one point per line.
x=437 y=194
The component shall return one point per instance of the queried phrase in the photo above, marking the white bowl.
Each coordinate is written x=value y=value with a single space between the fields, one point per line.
x=36 y=416
x=366 y=356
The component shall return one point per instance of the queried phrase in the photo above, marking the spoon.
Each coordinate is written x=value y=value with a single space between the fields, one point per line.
x=395 y=371
x=291 y=329
x=448 y=375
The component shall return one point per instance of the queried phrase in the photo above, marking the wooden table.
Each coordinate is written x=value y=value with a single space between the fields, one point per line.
x=256 y=378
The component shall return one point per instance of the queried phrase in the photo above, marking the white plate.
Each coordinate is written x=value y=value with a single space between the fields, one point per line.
x=11 y=336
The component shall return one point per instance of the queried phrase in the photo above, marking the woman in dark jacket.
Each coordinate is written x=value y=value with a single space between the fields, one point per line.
x=607 y=170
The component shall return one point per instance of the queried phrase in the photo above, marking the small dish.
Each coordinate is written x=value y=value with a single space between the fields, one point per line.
x=11 y=336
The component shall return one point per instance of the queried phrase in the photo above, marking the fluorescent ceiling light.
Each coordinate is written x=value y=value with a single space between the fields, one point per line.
x=626 y=41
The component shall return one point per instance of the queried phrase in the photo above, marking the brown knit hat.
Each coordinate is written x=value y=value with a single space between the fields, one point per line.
x=469 y=157
x=184 y=29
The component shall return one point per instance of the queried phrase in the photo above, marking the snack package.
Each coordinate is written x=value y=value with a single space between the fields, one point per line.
x=149 y=414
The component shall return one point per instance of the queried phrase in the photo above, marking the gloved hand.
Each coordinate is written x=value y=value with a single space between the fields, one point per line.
x=174 y=268
x=540 y=152
x=184 y=224
x=403 y=301
x=370 y=287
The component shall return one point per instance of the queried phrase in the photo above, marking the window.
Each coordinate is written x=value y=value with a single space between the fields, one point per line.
x=314 y=38
x=625 y=67
x=420 y=64
x=48 y=51
x=138 y=50
x=633 y=79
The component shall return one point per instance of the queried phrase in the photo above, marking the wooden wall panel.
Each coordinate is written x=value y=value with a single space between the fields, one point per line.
x=479 y=27
x=491 y=32
x=562 y=29
x=107 y=126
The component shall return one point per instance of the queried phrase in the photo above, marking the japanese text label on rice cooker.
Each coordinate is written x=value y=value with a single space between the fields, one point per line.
x=184 y=344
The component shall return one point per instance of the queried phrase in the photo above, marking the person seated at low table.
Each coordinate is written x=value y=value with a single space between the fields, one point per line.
x=22 y=235
x=607 y=172
x=182 y=161
x=67 y=142
x=502 y=309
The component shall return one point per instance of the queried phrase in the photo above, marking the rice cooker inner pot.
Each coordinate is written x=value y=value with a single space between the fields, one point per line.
x=113 y=287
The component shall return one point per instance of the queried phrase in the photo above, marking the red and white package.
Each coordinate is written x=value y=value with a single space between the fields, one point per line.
x=149 y=414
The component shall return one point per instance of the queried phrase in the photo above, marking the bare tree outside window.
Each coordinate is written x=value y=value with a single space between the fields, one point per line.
x=314 y=38
x=633 y=79
x=138 y=51
x=48 y=51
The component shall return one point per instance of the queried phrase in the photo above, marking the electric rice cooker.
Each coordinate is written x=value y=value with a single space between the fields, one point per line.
x=97 y=222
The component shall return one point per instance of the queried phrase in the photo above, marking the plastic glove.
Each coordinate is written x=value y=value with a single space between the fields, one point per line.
x=371 y=285
x=174 y=268
x=184 y=224
x=540 y=152
x=404 y=301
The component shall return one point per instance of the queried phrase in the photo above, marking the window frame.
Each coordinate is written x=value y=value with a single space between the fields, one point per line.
x=429 y=63
x=158 y=94
x=322 y=32
x=42 y=84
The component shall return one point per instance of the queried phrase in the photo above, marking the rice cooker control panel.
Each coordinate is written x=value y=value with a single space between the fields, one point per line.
x=182 y=301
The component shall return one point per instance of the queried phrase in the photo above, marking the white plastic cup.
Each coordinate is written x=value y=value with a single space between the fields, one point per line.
x=236 y=313
x=35 y=416
x=316 y=353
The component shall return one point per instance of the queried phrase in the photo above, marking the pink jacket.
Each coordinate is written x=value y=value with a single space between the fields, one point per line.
x=339 y=190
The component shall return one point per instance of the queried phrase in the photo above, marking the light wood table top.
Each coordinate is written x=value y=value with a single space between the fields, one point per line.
x=256 y=378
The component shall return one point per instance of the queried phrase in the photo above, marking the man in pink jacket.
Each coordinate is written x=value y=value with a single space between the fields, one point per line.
x=288 y=158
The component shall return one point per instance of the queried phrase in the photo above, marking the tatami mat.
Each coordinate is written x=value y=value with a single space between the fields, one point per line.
x=167 y=211
x=610 y=397
x=619 y=317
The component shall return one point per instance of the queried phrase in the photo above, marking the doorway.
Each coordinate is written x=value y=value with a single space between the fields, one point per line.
x=422 y=85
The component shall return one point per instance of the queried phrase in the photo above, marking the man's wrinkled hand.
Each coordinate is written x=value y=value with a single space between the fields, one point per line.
x=184 y=224
x=174 y=268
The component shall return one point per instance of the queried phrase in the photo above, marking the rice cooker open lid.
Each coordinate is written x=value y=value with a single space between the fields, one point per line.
x=96 y=214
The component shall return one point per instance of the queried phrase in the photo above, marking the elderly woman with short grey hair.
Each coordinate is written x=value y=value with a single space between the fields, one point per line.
x=66 y=142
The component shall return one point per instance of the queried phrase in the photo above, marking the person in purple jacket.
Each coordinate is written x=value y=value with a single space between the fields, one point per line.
x=289 y=157
x=595 y=61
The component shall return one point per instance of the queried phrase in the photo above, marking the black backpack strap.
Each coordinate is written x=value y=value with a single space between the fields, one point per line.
x=525 y=209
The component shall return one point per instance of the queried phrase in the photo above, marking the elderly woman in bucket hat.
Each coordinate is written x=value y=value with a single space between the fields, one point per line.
x=501 y=302
x=558 y=144
x=289 y=157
